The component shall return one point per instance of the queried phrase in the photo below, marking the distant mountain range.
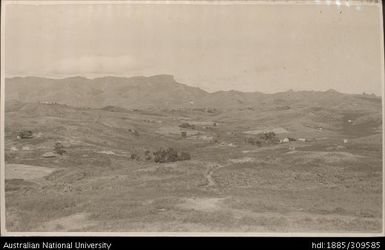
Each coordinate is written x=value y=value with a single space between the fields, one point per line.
x=159 y=92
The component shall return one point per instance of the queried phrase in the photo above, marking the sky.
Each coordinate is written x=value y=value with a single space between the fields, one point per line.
x=247 y=47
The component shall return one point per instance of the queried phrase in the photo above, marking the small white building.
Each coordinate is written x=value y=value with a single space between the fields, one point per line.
x=345 y=140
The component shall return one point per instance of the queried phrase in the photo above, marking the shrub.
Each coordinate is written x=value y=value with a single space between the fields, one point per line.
x=134 y=156
x=147 y=155
x=59 y=148
x=269 y=137
x=187 y=125
x=266 y=138
x=253 y=141
x=25 y=134
x=170 y=155
x=159 y=156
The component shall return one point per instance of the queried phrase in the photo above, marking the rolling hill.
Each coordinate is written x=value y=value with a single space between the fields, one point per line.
x=327 y=177
x=164 y=92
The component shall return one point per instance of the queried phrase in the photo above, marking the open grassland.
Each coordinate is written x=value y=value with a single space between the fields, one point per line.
x=321 y=185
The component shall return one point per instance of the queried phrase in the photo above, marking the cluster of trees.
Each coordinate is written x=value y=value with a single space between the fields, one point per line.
x=162 y=156
x=170 y=155
x=187 y=125
x=265 y=138
x=268 y=137
x=134 y=156
x=254 y=141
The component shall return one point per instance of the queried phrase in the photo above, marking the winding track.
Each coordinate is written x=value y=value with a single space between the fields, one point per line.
x=209 y=174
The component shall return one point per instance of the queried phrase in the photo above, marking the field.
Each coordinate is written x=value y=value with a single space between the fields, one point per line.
x=329 y=182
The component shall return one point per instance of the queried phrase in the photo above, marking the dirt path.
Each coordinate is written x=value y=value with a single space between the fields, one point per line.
x=209 y=177
x=209 y=174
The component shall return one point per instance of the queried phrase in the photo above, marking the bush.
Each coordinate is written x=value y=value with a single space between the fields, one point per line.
x=59 y=148
x=187 y=125
x=147 y=155
x=254 y=141
x=134 y=156
x=159 y=156
x=170 y=155
x=266 y=138
x=25 y=134
x=269 y=136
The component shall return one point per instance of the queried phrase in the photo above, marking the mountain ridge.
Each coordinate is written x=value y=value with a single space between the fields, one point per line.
x=165 y=76
x=156 y=91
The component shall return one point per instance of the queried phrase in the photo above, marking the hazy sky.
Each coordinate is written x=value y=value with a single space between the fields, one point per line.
x=266 y=48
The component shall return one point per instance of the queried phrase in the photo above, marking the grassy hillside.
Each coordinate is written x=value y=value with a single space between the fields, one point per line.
x=330 y=182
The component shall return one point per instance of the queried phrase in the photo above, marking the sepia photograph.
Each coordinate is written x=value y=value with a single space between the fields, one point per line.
x=192 y=118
